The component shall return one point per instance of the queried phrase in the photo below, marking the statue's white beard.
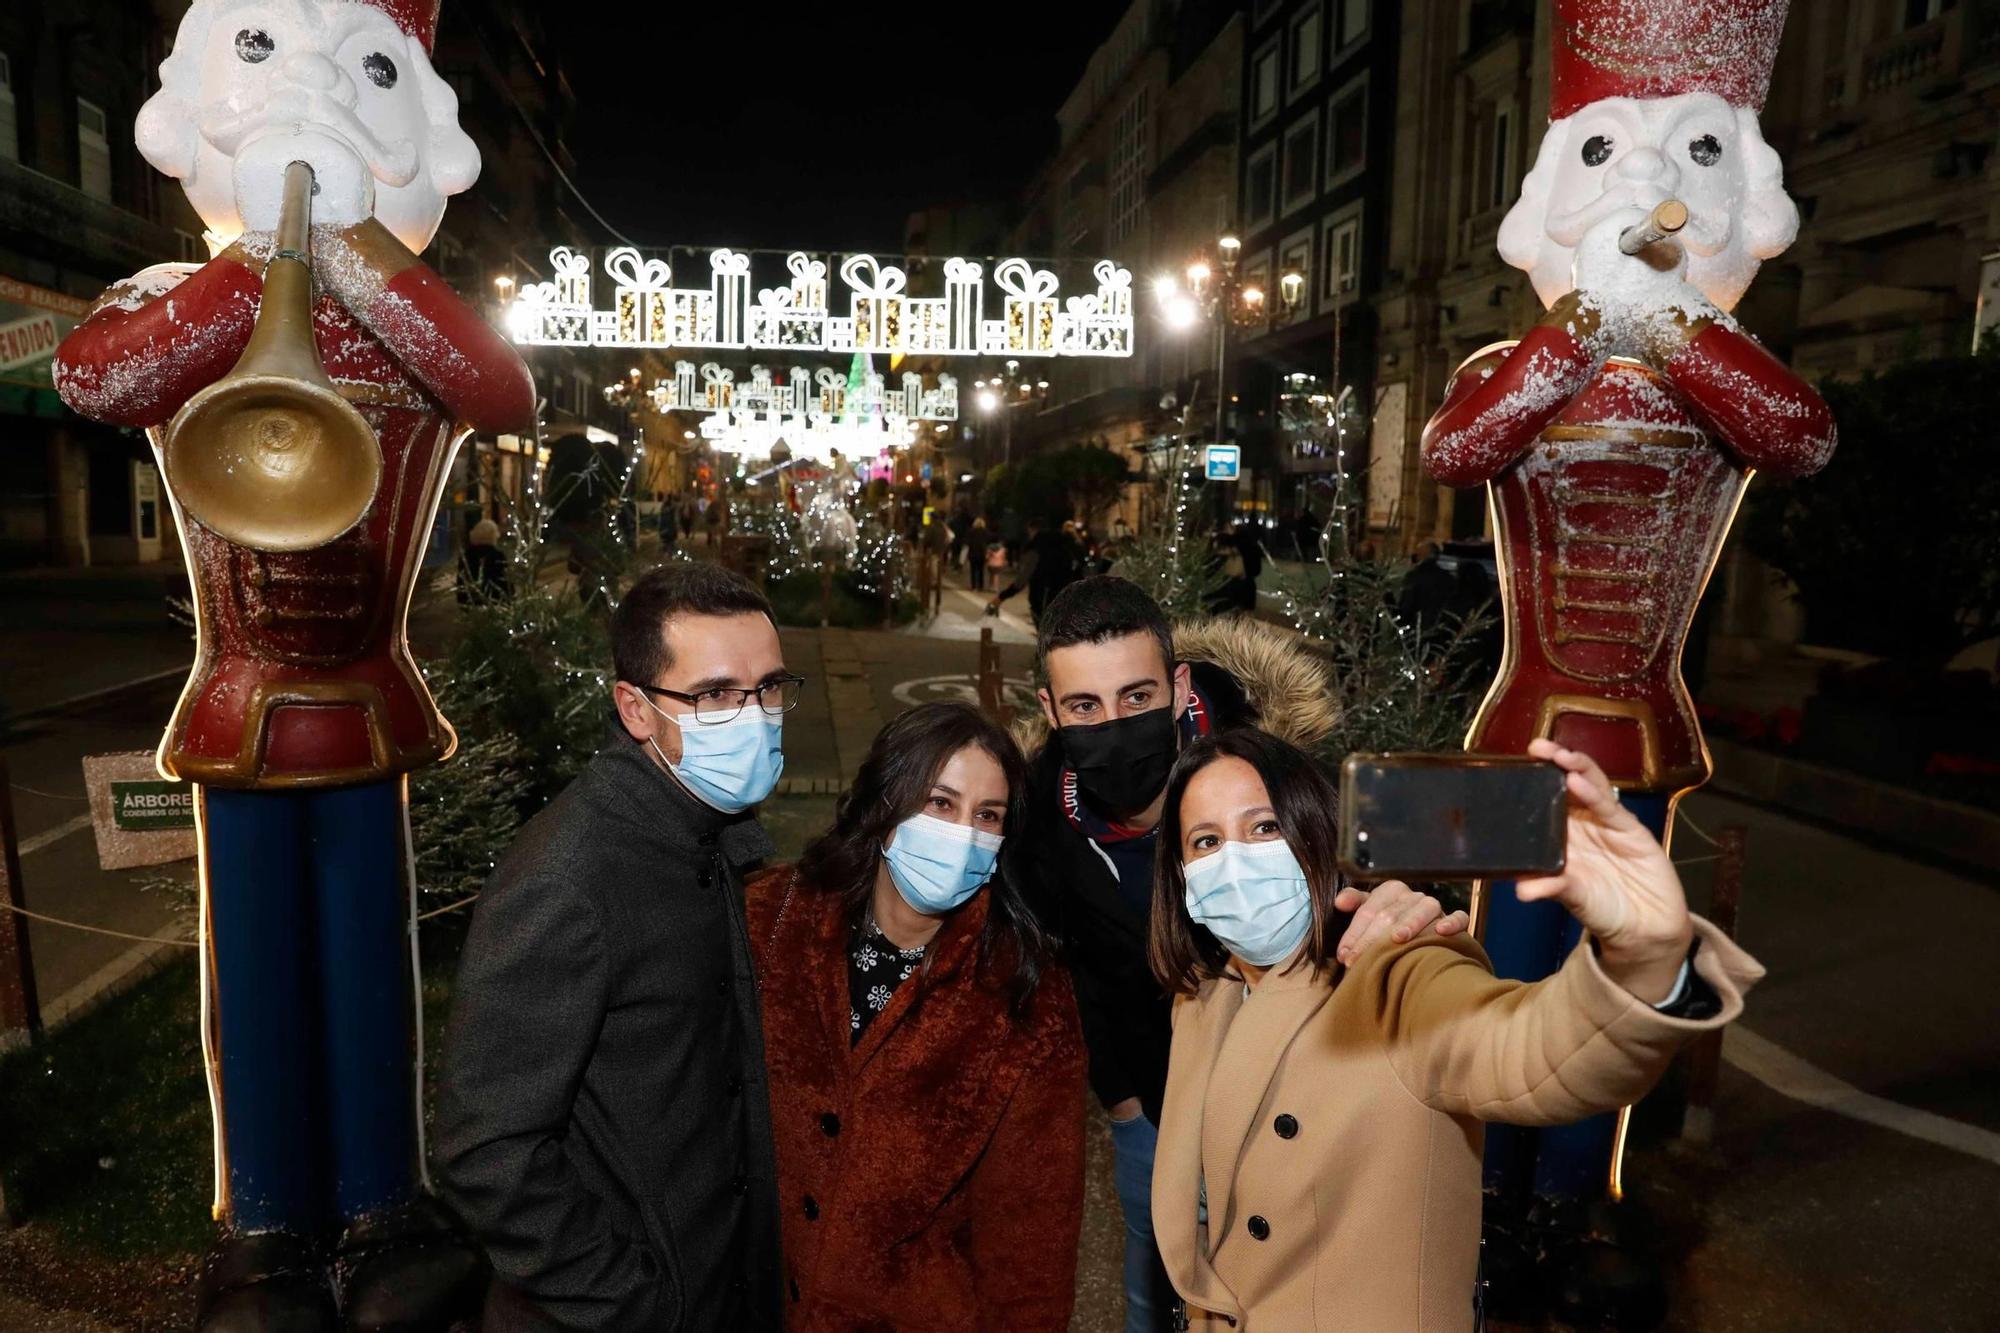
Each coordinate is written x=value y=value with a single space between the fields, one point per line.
x=394 y=164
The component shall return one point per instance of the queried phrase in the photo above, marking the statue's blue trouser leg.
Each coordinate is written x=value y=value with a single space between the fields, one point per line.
x=1529 y=941
x=366 y=1004
x=263 y=1003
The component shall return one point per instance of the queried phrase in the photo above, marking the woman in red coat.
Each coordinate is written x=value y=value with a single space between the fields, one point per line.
x=926 y=1063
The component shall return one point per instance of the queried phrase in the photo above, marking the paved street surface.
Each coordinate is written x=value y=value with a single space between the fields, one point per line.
x=1854 y=1178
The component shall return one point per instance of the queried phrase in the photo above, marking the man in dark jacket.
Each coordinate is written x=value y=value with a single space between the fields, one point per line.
x=603 y=1126
x=1121 y=703
x=1048 y=566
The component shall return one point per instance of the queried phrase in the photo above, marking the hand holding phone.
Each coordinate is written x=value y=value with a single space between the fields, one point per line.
x=1451 y=816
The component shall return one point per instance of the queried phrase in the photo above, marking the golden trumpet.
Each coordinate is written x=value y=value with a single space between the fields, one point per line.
x=270 y=456
x=1666 y=220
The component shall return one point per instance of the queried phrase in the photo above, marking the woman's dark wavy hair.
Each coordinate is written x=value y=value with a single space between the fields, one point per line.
x=896 y=777
x=1306 y=802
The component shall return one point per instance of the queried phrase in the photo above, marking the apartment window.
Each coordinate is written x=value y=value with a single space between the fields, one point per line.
x=1923 y=11
x=1353 y=23
x=93 y=151
x=1347 y=133
x=1500 y=183
x=1343 y=258
x=1264 y=83
x=1131 y=142
x=1301 y=162
x=1076 y=222
x=1305 y=34
x=1260 y=181
x=10 y=144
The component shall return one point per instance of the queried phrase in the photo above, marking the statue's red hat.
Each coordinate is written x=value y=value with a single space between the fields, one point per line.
x=1661 y=48
x=418 y=18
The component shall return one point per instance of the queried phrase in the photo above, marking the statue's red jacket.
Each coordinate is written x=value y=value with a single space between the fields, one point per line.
x=930 y=1177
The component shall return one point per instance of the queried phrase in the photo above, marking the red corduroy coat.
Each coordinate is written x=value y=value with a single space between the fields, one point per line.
x=931 y=1177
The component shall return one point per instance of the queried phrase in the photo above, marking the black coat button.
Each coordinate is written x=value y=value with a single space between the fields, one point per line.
x=829 y=1125
x=704 y=879
x=812 y=1209
x=1287 y=1127
x=722 y=985
x=734 y=1086
x=1259 y=1229
x=740 y=1183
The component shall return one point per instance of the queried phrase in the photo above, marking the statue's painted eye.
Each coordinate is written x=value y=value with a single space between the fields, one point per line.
x=381 y=70
x=1596 y=151
x=1706 y=151
x=254 y=46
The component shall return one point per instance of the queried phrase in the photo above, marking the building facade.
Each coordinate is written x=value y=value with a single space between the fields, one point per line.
x=1144 y=174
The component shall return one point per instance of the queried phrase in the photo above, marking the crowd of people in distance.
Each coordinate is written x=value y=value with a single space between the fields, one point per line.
x=685 y=1087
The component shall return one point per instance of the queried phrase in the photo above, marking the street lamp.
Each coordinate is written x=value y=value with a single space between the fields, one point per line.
x=1001 y=394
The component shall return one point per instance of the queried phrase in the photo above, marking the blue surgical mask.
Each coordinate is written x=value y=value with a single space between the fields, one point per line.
x=936 y=864
x=1253 y=897
x=728 y=765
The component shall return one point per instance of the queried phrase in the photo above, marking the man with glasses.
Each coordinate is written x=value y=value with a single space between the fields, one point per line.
x=603 y=1126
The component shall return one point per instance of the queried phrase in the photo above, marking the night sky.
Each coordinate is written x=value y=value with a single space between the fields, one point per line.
x=829 y=131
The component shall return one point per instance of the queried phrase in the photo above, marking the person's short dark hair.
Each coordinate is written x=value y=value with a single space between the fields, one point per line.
x=1306 y=803
x=679 y=588
x=1098 y=609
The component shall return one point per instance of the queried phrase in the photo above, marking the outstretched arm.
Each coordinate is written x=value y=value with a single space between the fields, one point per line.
x=153 y=342
x=1495 y=408
x=1767 y=416
x=434 y=334
x=1589 y=1038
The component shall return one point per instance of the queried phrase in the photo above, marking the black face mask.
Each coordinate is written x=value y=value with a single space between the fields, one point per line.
x=1122 y=765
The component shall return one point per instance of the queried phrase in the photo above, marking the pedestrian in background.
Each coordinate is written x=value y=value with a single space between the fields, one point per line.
x=1316 y=1096
x=482 y=566
x=926 y=1066
x=978 y=537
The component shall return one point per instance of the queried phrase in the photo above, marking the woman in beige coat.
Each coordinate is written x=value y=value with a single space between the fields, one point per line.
x=1319 y=1152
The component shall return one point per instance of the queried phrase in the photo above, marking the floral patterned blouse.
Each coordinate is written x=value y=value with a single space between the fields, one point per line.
x=875 y=967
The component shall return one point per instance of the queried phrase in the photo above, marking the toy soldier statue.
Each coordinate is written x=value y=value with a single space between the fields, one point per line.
x=305 y=391
x=1616 y=439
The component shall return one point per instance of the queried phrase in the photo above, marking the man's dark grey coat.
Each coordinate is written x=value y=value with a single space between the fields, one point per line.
x=603 y=1125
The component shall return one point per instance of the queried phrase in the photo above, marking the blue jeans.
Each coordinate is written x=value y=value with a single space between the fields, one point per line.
x=1149 y=1297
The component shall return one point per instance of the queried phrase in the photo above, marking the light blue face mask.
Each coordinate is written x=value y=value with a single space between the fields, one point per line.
x=936 y=864
x=728 y=765
x=1252 y=896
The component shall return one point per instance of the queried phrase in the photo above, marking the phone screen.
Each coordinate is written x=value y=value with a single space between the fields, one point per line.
x=1456 y=816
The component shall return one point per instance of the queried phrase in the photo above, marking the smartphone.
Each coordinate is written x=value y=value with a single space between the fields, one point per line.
x=1451 y=816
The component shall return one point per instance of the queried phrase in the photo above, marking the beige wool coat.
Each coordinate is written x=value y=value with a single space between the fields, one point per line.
x=1338 y=1123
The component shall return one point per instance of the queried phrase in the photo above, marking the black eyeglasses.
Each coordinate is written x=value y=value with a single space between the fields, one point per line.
x=716 y=706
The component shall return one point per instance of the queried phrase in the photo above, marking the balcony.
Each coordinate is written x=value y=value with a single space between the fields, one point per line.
x=87 y=232
x=1934 y=52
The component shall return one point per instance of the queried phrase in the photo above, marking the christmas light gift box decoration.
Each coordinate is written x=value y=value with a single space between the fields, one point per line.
x=877 y=303
x=642 y=297
x=556 y=312
x=1028 y=325
x=1616 y=437
x=305 y=391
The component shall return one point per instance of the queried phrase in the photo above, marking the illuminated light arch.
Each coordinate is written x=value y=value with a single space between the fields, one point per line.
x=811 y=411
x=647 y=311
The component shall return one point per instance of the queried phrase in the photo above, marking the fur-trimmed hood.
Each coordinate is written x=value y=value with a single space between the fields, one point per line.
x=1288 y=684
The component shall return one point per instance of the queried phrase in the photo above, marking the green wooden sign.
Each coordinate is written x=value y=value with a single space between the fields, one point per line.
x=152 y=807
